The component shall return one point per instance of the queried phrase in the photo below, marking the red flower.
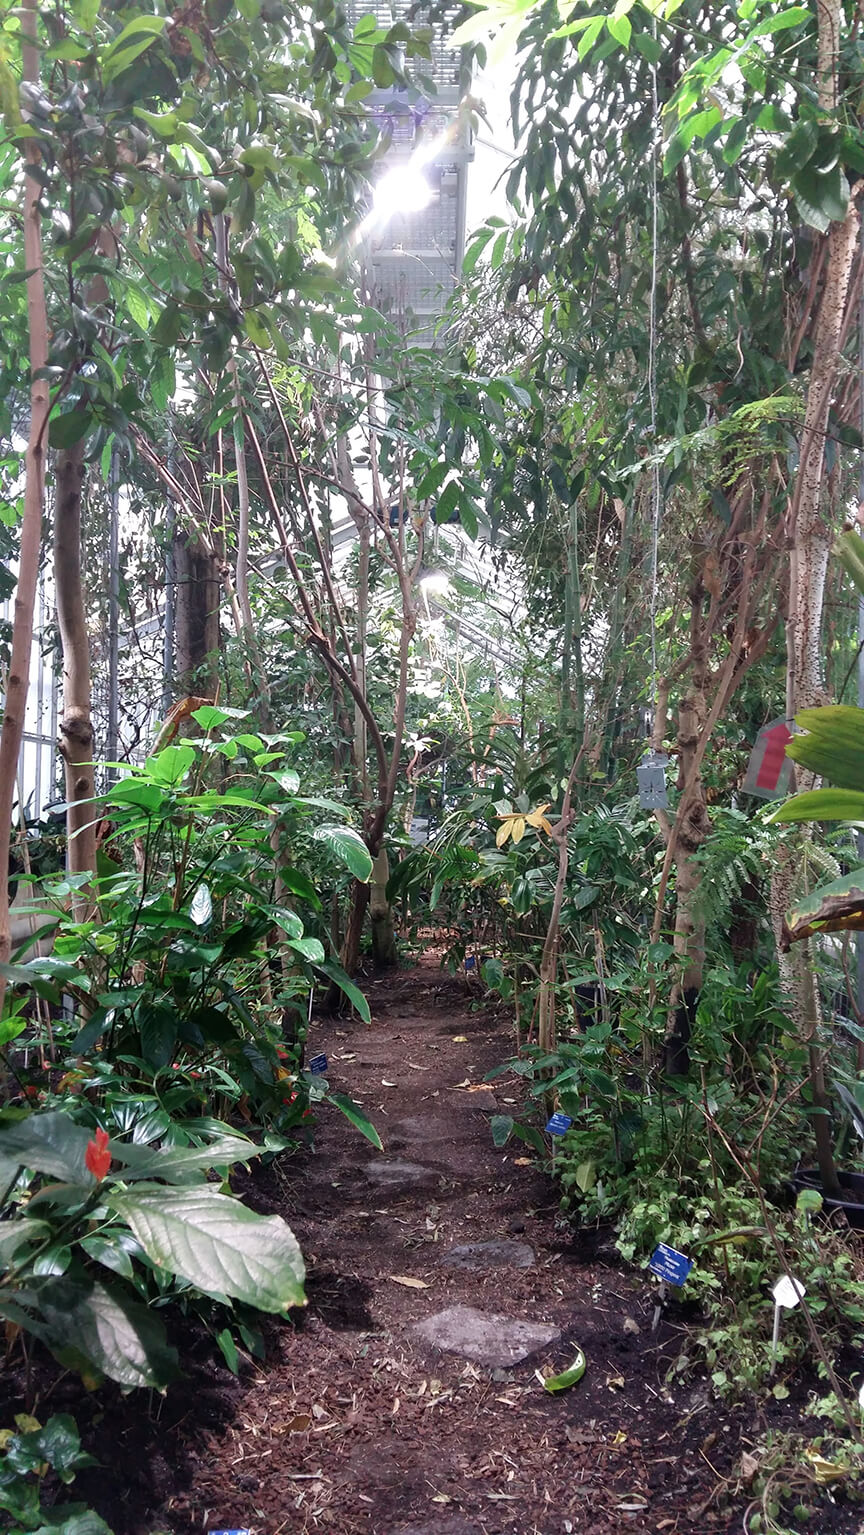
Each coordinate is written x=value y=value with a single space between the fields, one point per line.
x=97 y=1156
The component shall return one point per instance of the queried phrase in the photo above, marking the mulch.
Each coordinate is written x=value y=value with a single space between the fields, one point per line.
x=350 y=1426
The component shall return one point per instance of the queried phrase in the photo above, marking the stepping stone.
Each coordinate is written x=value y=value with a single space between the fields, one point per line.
x=395 y=1177
x=429 y=1130
x=443 y=1526
x=498 y=1342
x=490 y=1255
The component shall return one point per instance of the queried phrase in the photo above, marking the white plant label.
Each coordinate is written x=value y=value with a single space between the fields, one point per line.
x=788 y=1292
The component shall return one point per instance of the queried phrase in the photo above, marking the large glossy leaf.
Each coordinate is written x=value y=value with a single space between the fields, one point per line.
x=822 y=805
x=218 y=1244
x=833 y=746
x=834 y=908
x=184 y=1164
x=48 y=1143
x=15 y=1234
x=348 y=847
x=105 y=1326
x=74 y=1519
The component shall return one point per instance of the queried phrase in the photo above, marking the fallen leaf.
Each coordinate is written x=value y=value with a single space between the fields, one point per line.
x=615 y=1381
x=299 y=1423
x=385 y=1083
x=620 y=1437
x=455 y=1085
x=460 y=1039
x=410 y=1284
x=631 y=1325
x=749 y=1466
x=521 y=1161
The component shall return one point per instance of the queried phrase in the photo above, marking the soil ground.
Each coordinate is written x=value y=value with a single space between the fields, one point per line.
x=351 y=1426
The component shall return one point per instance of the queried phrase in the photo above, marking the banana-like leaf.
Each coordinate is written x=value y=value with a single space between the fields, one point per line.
x=822 y=805
x=834 y=908
x=833 y=746
x=849 y=550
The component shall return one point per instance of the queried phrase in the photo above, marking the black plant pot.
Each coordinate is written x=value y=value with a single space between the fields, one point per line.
x=810 y=1178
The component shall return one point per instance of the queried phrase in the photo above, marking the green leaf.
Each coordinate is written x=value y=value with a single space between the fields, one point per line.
x=822 y=805
x=349 y=847
x=850 y=551
x=218 y=1245
x=567 y=1378
x=136 y=37
x=621 y=28
x=308 y=948
x=131 y=791
x=17 y=1233
x=502 y=1126
x=108 y=1251
x=286 y=919
x=354 y=1113
x=48 y=1143
x=171 y=765
x=833 y=747
x=158 y=1030
x=122 y=1338
x=184 y=1164
x=64 y=431
x=229 y=1350
x=209 y=717
x=347 y=986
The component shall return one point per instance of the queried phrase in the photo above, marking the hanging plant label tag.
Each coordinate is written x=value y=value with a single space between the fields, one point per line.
x=769 y=770
x=669 y=1265
x=559 y=1124
x=318 y=1065
x=651 y=778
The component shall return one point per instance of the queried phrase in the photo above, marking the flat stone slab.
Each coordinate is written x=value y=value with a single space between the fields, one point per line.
x=430 y=1130
x=498 y=1342
x=490 y=1255
x=395 y=1177
x=444 y=1526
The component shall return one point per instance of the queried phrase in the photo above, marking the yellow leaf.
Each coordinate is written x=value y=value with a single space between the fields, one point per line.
x=826 y=1471
x=537 y=818
x=409 y=1283
x=26 y=1424
x=504 y=831
x=518 y=828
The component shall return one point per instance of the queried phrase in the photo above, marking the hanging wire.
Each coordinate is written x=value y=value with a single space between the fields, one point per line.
x=656 y=492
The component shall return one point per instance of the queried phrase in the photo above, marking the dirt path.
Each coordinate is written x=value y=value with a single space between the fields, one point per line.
x=357 y=1426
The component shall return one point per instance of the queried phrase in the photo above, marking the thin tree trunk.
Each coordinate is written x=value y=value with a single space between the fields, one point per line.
x=76 y=729
x=384 y=952
x=811 y=545
x=12 y=730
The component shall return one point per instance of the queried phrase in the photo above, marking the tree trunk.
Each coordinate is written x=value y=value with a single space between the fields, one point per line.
x=15 y=705
x=197 y=617
x=354 y=932
x=812 y=537
x=76 y=729
x=384 y=952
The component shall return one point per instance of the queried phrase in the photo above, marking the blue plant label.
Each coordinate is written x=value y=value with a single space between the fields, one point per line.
x=670 y=1265
x=559 y=1124
x=317 y=1066
x=471 y=962
x=227 y=1532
